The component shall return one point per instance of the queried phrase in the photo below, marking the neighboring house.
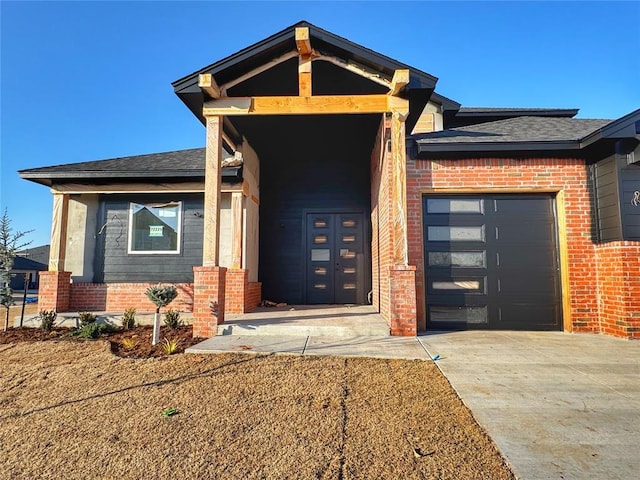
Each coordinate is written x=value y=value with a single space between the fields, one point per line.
x=25 y=269
x=334 y=174
x=38 y=254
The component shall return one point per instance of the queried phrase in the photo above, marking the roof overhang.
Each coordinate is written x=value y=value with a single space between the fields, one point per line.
x=595 y=145
x=277 y=48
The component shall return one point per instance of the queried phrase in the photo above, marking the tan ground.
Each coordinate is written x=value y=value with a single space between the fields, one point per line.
x=74 y=410
x=14 y=311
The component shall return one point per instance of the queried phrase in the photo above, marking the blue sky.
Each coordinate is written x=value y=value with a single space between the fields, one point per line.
x=91 y=80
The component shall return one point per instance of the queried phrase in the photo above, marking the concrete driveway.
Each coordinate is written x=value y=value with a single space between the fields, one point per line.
x=559 y=406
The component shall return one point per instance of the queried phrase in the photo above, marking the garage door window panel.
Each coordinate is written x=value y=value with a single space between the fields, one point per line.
x=462 y=259
x=455 y=234
x=458 y=314
x=454 y=205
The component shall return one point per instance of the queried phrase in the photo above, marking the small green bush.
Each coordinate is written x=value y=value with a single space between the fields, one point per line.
x=91 y=330
x=172 y=318
x=129 y=318
x=87 y=318
x=47 y=318
x=162 y=295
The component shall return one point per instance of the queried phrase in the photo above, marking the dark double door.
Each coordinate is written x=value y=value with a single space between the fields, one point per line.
x=335 y=259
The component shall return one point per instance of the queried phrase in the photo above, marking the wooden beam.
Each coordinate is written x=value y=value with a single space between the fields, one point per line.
x=236 y=235
x=399 y=81
x=303 y=40
x=256 y=71
x=57 y=250
x=207 y=83
x=355 y=68
x=399 y=193
x=212 y=193
x=321 y=104
x=304 y=76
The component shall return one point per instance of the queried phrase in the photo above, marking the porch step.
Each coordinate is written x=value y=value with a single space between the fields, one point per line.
x=305 y=321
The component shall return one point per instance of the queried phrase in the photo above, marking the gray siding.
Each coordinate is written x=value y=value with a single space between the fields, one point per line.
x=114 y=264
x=630 y=184
x=609 y=225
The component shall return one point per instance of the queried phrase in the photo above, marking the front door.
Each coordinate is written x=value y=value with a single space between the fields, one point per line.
x=335 y=258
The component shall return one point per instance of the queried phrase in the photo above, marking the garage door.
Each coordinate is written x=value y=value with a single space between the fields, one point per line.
x=491 y=262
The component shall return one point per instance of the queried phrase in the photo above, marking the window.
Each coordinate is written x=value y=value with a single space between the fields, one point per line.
x=155 y=227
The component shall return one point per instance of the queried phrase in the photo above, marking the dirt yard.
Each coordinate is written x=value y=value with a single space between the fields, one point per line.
x=75 y=410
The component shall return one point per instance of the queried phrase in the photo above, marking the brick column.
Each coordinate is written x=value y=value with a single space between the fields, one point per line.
x=54 y=291
x=237 y=284
x=402 y=293
x=208 y=300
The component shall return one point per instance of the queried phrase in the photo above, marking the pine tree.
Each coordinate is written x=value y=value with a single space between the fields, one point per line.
x=10 y=243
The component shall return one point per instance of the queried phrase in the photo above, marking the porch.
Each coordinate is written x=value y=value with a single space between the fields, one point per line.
x=308 y=320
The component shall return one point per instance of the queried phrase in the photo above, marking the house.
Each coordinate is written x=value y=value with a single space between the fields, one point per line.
x=25 y=269
x=38 y=254
x=333 y=174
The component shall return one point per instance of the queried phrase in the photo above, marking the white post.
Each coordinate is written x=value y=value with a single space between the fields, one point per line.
x=156 y=328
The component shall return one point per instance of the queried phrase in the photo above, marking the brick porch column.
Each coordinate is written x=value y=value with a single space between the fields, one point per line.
x=402 y=301
x=54 y=291
x=237 y=284
x=208 y=300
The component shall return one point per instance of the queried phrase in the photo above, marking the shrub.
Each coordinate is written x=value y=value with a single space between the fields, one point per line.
x=87 y=318
x=47 y=317
x=91 y=330
x=172 y=318
x=129 y=318
x=169 y=347
x=162 y=295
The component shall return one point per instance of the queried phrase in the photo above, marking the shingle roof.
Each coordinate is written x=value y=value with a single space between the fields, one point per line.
x=519 y=129
x=179 y=161
x=21 y=263
x=175 y=164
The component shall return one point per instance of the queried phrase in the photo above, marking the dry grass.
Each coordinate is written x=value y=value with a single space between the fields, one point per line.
x=74 y=410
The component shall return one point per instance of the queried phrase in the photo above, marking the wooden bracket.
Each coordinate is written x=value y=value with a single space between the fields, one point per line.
x=208 y=84
x=399 y=81
x=303 y=41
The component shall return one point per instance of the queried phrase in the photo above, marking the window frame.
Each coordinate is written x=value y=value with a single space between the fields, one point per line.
x=178 y=250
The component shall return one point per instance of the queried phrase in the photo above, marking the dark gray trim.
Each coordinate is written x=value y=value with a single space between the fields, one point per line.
x=496 y=146
x=516 y=112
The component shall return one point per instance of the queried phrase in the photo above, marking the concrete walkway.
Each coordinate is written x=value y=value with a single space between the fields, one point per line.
x=361 y=346
x=559 y=406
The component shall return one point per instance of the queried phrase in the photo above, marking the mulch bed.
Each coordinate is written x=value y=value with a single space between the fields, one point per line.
x=137 y=346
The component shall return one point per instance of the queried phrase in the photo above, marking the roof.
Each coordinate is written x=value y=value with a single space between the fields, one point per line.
x=516 y=112
x=21 y=263
x=473 y=115
x=38 y=254
x=174 y=164
x=420 y=87
x=524 y=133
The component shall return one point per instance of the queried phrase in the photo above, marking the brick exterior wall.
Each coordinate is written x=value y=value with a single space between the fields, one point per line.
x=242 y=296
x=619 y=288
x=402 y=292
x=602 y=278
x=208 y=290
x=381 y=222
x=117 y=297
x=253 y=296
x=54 y=291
